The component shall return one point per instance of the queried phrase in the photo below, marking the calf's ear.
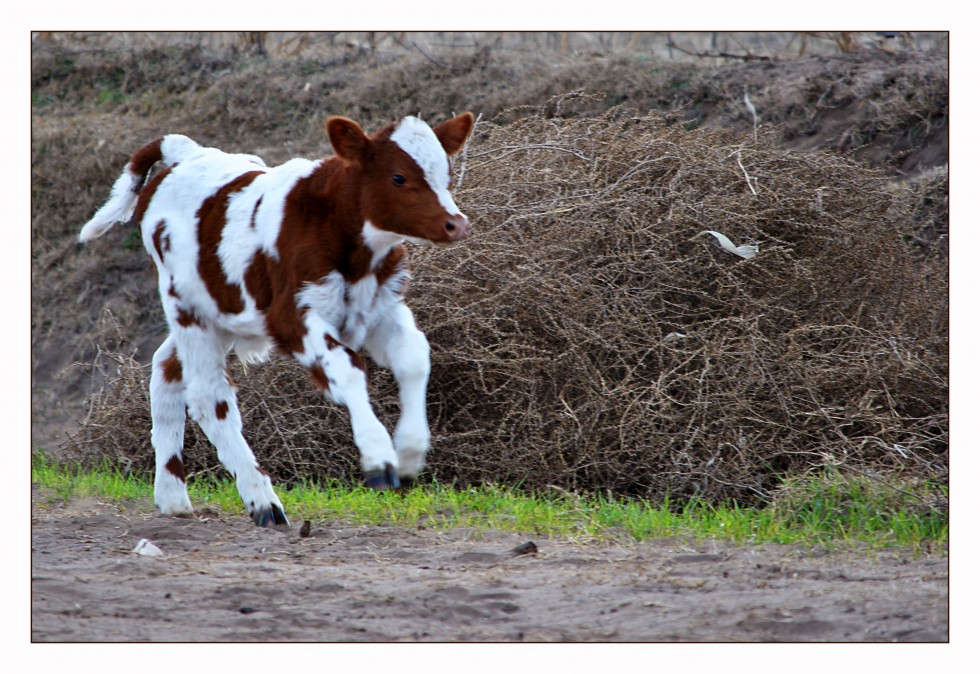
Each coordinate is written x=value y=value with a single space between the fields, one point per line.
x=347 y=138
x=452 y=133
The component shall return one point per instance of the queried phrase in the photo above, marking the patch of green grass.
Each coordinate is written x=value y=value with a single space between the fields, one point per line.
x=830 y=509
x=39 y=100
x=110 y=97
x=865 y=507
x=66 y=481
x=134 y=240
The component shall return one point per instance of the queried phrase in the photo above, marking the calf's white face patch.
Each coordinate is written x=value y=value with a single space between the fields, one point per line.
x=419 y=142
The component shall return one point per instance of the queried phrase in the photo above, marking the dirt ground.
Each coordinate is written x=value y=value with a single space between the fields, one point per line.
x=221 y=579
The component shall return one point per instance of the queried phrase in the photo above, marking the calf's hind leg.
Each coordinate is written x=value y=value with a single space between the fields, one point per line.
x=212 y=403
x=168 y=411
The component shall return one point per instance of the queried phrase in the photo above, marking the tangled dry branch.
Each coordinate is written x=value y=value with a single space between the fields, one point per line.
x=587 y=337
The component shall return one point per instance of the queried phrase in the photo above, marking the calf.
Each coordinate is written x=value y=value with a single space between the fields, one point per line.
x=306 y=258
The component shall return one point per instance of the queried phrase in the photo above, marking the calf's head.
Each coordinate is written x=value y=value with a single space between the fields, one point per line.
x=405 y=175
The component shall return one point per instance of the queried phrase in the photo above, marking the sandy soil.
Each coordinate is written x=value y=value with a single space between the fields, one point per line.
x=221 y=579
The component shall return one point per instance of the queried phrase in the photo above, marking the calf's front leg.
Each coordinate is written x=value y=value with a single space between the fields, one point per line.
x=396 y=343
x=341 y=374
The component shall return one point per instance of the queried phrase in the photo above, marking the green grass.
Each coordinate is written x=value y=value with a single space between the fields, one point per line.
x=831 y=509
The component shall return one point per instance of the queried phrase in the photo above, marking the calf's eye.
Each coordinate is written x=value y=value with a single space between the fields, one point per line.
x=398 y=179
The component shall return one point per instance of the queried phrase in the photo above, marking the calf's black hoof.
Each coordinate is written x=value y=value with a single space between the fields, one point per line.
x=270 y=517
x=383 y=478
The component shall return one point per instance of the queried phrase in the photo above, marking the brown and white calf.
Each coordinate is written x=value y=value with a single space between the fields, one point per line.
x=307 y=258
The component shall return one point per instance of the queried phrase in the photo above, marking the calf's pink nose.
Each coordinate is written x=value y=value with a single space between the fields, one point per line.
x=457 y=227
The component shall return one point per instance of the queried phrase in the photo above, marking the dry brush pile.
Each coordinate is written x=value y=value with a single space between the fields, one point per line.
x=591 y=336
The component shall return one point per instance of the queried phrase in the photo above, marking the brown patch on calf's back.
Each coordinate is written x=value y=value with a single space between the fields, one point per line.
x=221 y=410
x=212 y=218
x=257 y=281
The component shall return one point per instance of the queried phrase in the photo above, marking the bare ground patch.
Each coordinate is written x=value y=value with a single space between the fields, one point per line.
x=221 y=579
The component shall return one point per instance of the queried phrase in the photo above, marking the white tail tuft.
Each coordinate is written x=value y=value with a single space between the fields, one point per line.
x=119 y=207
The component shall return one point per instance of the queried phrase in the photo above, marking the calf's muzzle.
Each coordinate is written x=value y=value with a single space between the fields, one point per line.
x=457 y=227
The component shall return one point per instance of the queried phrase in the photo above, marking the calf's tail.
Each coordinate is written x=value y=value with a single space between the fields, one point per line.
x=125 y=192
